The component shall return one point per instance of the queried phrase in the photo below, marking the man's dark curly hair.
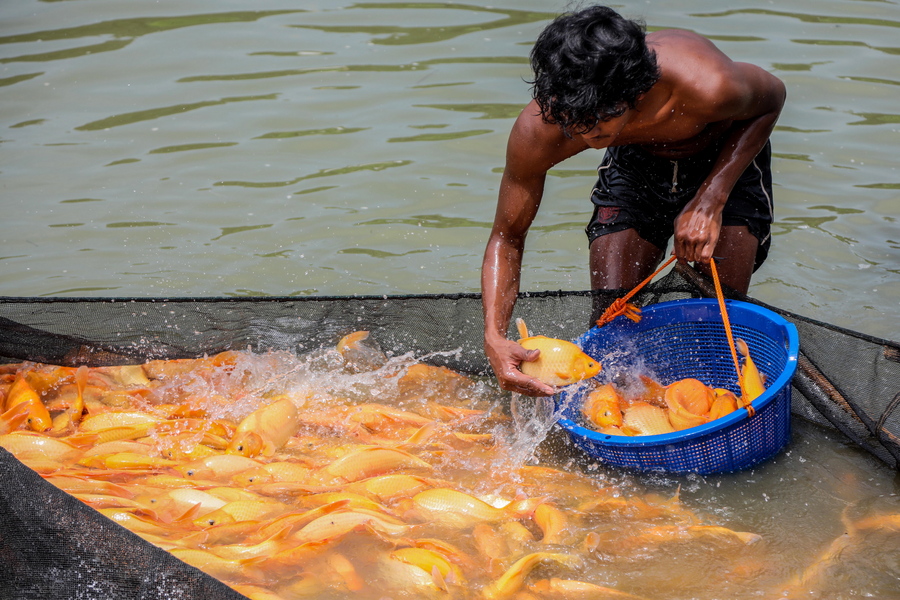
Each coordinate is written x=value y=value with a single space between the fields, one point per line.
x=589 y=66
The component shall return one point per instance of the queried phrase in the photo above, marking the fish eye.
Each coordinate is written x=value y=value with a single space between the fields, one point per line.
x=190 y=473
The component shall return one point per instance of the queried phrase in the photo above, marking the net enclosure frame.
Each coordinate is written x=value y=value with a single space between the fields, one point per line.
x=53 y=546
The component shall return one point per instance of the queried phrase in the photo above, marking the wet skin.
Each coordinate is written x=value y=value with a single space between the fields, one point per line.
x=701 y=97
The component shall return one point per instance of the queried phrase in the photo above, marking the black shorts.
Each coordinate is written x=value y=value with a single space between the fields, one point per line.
x=638 y=190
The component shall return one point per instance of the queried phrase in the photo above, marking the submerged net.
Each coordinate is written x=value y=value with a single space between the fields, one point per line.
x=53 y=546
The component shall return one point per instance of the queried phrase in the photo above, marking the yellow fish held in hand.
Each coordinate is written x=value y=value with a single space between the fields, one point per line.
x=559 y=363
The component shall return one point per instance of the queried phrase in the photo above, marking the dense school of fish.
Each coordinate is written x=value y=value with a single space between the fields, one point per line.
x=346 y=474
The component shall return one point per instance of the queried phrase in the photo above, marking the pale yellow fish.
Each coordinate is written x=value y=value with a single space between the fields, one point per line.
x=371 y=461
x=514 y=578
x=410 y=580
x=30 y=445
x=132 y=522
x=186 y=498
x=646 y=419
x=273 y=424
x=338 y=524
x=219 y=466
x=209 y=563
x=111 y=419
x=392 y=486
x=559 y=363
x=105 y=448
x=553 y=523
x=452 y=508
x=428 y=560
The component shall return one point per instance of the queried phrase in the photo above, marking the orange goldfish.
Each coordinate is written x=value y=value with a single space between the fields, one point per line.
x=21 y=392
x=559 y=363
x=689 y=401
x=602 y=407
x=750 y=375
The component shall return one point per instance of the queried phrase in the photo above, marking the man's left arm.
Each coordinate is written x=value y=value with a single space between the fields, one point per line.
x=752 y=99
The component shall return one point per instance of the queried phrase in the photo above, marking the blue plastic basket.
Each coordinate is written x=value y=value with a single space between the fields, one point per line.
x=686 y=338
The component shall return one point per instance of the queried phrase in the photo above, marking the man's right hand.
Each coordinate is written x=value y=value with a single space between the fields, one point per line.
x=505 y=357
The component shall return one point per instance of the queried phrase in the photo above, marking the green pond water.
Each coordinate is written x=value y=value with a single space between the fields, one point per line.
x=327 y=148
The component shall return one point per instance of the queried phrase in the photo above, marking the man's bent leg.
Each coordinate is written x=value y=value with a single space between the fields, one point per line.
x=621 y=260
x=737 y=249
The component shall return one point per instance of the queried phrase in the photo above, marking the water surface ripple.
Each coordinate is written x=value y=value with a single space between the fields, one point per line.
x=162 y=149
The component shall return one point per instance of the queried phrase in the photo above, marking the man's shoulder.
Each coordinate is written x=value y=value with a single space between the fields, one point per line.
x=537 y=144
x=531 y=126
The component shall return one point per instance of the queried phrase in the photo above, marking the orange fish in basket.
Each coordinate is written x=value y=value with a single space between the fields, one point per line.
x=642 y=418
x=689 y=401
x=559 y=363
x=725 y=402
x=750 y=376
x=602 y=407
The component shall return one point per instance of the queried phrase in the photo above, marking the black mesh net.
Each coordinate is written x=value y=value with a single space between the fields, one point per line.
x=53 y=546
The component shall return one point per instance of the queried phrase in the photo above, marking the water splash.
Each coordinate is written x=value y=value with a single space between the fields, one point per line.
x=532 y=420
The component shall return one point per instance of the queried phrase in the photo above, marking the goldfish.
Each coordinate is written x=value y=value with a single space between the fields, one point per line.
x=216 y=566
x=559 y=363
x=514 y=578
x=724 y=403
x=395 y=484
x=21 y=392
x=453 y=508
x=645 y=419
x=553 y=523
x=14 y=417
x=689 y=401
x=751 y=378
x=360 y=352
x=266 y=429
x=372 y=461
x=429 y=560
x=602 y=407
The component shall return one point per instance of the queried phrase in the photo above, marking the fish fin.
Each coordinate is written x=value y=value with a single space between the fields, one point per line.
x=523 y=329
x=189 y=514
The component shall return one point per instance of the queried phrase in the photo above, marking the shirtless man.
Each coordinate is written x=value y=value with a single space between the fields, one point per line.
x=686 y=131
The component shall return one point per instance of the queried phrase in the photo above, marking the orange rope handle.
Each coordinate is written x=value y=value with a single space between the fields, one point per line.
x=621 y=306
x=728 y=334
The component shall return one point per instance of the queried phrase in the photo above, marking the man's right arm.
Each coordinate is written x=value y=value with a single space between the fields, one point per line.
x=533 y=148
